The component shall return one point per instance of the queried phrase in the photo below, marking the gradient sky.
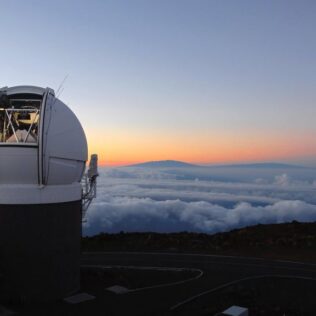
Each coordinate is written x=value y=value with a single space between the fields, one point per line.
x=201 y=81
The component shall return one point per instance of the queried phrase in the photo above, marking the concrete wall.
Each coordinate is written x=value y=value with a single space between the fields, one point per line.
x=39 y=251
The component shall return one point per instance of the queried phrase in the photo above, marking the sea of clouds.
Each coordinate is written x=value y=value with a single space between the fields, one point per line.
x=200 y=199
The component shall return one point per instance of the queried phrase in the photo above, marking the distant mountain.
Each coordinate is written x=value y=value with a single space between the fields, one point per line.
x=164 y=164
x=181 y=164
x=268 y=165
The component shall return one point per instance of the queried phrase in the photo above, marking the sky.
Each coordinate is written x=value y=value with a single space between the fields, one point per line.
x=208 y=82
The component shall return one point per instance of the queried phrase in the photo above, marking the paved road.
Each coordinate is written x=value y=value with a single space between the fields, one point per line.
x=217 y=271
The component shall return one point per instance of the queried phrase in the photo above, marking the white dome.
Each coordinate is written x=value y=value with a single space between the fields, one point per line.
x=42 y=146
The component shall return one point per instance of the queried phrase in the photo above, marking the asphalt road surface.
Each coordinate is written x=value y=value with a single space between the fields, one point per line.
x=215 y=272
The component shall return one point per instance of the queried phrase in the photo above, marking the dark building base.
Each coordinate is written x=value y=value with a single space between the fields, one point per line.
x=39 y=251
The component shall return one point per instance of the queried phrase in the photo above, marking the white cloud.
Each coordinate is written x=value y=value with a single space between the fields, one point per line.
x=153 y=200
x=283 y=180
x=145 y=214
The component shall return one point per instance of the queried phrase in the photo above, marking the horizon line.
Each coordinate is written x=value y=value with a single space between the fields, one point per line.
x=130 y=163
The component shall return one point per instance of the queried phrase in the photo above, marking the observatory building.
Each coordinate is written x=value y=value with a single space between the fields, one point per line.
x=43 y=152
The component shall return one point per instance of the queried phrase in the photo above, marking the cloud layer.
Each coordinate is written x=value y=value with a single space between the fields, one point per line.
x=136 y=199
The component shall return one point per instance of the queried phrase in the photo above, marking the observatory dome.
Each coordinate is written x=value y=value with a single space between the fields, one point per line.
x=43 y=148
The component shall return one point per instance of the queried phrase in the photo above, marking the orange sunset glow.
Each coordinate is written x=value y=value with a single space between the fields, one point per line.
x=123 y=148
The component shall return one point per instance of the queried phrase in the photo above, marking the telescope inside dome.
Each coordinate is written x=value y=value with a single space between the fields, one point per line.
x=19 y=118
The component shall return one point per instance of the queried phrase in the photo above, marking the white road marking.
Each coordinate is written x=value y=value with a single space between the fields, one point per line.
x=199 y=275
x=194 y=297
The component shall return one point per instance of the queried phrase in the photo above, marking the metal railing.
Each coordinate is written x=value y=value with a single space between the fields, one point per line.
x=89 y=185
